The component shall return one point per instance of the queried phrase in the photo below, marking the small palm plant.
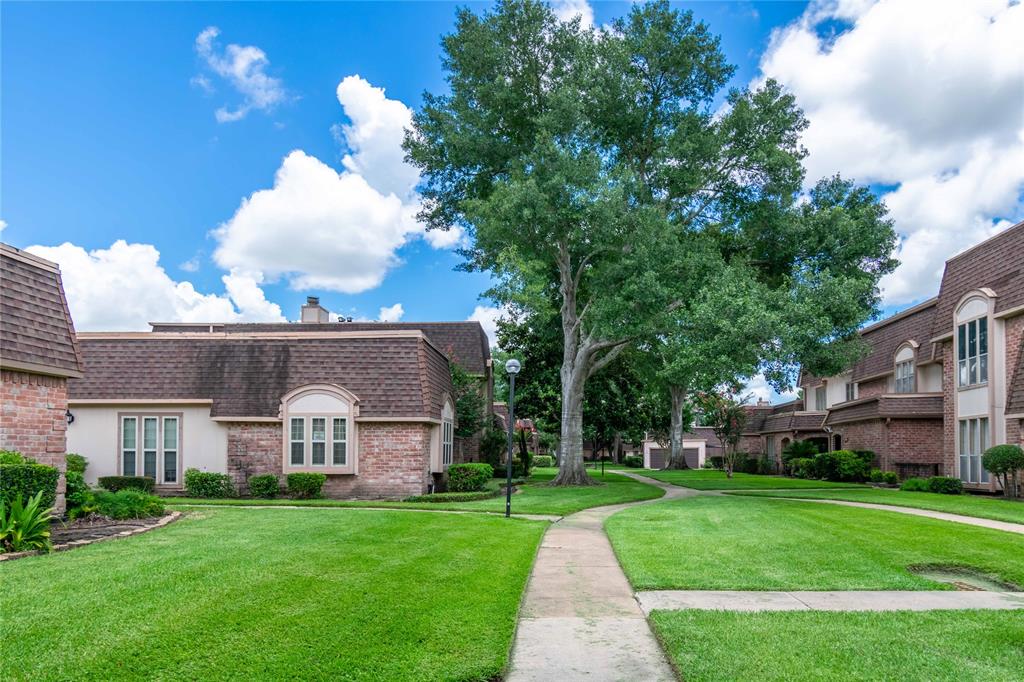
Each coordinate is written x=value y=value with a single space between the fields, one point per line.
x=25 y=527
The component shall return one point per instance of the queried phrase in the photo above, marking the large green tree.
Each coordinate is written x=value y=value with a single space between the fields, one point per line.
x=599 y=185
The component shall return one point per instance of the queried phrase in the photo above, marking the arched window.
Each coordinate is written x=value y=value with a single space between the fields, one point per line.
x=904 y=372
x=319 y=429
x=447 y=433
x=972 y=341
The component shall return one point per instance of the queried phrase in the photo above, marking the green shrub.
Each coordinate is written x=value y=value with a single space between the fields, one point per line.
x=208 y=484
x=798 y=449
x=633 y=461
x=76 y=463
x=802 y=467
x=1006 y=463
x=265 y=485
x=454 y=497
x=517 y=470
x=840 y=465
x=867 y=455
x=25 y=527
x=115 y=483
x=945 y=485
x=79 y=498
x=128 y=503
x=492 y=446
x=876 y=475
x=716 y=462
x=469 y=477
x=11 y=457
x=305 y=485
x=543 y=461
x=890 y=477
x=915 y=485
x=26 y=479
x=744 y=464
x=765 y=465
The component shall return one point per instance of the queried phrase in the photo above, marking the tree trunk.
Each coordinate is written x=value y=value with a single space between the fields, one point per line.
x=571 y=470
x=677 y=459
x=617 y=448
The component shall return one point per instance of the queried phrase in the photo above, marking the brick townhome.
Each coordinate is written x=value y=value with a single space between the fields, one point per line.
x=38 y=354
x=367 y=404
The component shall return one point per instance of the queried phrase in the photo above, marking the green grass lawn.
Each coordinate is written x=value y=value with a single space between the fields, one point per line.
x=713 y=479
x=970 y=505
x=746 y=543
x=535 y=497
x=933 y=646
x=274 y=594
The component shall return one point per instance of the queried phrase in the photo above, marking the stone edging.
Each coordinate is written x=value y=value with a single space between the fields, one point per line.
x=159 y=523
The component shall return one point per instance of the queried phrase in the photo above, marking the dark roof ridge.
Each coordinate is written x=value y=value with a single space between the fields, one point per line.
x=895 y=317
x=987 y=240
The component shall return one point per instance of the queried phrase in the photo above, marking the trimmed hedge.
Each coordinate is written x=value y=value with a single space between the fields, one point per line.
x=945 y=485
x=76 y=463
x=890 y=477
x=633 y=461
x=469 y=477
x=543 y=461
x=842 y=465
x=129 y=503
x=802 y=467
x=501 y=472
x=208 y=484
x=12 y=457
x=305 y=485
x=25 y=480
x=265 y=485
x=115 y=483
x=453 y=497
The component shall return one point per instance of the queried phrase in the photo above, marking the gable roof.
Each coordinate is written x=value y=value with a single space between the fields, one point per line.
x=885 y=337
x=996 y=263
x=463 y=342
x=36 y=331
x=395 y=375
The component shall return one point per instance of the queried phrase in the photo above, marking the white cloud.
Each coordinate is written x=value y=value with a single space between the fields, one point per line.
x=488 y=317
x=760 y=389
x=925 y=96
x=191 y=265
x=3 y=225
x=567 y=10
x=244 y=67
x=124 y=288
x=391 y=313
x=340 y=231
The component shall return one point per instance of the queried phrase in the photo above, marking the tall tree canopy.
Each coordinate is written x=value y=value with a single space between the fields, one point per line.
x=600 y=187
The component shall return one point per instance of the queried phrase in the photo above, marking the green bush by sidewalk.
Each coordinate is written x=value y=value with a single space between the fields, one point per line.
x=265 y=485
x=469 y=477
x=208 y=484
x=305 y=485
x=24 y=480
x=116 y=483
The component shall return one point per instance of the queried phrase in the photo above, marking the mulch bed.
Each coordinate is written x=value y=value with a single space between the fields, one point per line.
x=96 y=529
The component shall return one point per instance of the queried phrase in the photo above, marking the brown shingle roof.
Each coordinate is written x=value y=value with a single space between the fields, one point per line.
x=464 y=342
x=884 y=339
x=396 y=376
x=885 y=406
x=996 y=263
x=36 y=332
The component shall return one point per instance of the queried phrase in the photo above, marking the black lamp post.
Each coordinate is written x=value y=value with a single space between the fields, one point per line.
x=512 y=368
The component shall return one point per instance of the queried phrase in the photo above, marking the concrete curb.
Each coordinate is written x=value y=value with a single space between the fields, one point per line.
x=866 y=600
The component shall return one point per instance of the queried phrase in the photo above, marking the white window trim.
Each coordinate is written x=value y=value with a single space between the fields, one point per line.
x=905 y=383
x=351 y=465
x=823 y=405
x=140 y=449
x=975 y=448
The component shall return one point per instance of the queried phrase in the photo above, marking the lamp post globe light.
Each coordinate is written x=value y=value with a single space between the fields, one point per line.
x=512 y=369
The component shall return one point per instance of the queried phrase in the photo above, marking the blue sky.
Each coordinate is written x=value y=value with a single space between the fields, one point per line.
x=110 y=132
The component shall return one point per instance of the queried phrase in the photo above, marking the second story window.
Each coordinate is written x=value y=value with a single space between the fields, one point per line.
x=820 y=399
x=905 y=377
x=851 y=391
x=972 y=352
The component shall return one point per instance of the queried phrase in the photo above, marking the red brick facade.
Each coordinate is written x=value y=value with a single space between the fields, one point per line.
x=33 y=420
x=948 y=409
x=394 y=459
x=875 y=387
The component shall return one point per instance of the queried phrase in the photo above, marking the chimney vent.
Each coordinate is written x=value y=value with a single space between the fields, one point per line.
x=313 y=312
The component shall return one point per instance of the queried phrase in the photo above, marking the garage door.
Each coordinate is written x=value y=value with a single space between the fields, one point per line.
x=659 y=458
x=692 y=456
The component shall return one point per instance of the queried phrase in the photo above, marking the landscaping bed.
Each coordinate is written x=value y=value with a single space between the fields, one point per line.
x=935 y=646
x=271 y=594
x=715 y=479
x=746 y=543
x=984 y=507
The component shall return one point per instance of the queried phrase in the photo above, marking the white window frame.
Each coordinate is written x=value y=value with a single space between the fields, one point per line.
x=820 y=398
x=335 y=441
x=973 y=439
x=904 y=375
x=163 y=421
x=447 y=435
x=851 y=391
x=292 y=440
x=340 y=455
x=972 y=368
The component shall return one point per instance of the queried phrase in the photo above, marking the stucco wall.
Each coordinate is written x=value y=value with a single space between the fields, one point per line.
x=95 y=431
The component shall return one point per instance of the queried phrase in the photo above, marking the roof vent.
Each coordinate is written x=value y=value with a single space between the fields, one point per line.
x=313 y=312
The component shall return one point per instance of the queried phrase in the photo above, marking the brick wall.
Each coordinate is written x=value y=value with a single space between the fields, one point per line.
x=869 y=389
x=1014 y=337
x=866 y=435
x=394 y=459
x=948 y=409
x=253 y=449
x=33 y=419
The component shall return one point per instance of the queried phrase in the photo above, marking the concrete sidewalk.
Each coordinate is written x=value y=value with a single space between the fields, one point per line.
x=826 y=601
x=579 y=619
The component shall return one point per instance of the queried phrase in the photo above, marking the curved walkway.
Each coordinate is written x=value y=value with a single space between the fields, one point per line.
x=914 y=511
x=579 y=618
